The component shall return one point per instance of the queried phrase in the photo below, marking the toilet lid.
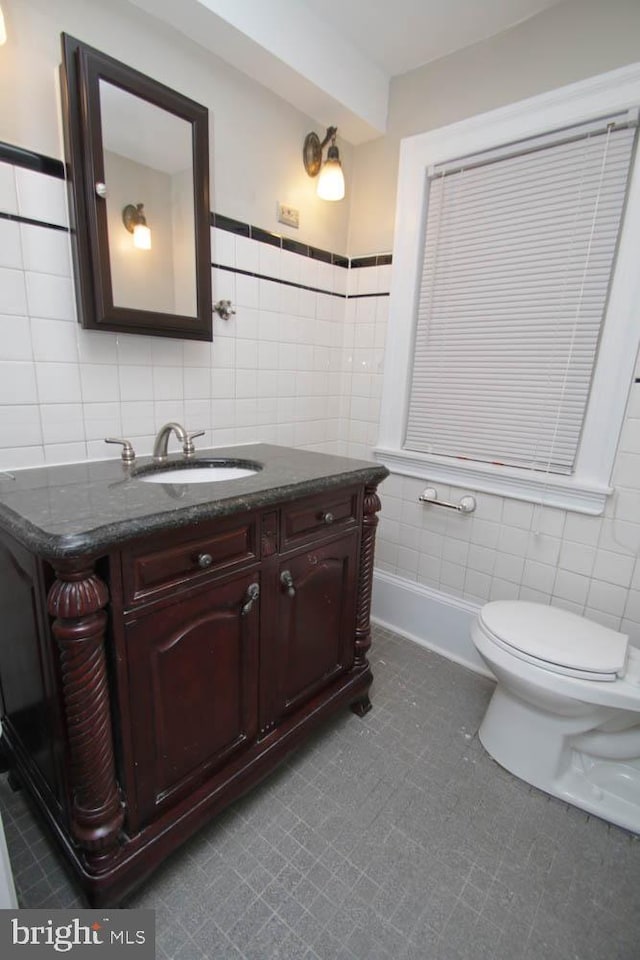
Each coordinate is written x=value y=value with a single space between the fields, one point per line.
x=560 y=639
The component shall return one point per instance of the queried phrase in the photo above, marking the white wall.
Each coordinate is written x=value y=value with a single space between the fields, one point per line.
x=571 y=41
x=255 y=137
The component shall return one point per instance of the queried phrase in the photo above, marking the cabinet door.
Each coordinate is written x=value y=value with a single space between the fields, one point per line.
x=315 y=621
x=193 y=670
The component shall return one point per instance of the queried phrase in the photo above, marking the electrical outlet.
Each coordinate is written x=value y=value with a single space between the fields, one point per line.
x=288 y=215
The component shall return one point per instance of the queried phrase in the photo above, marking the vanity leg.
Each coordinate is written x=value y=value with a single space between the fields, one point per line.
x=362 y=706
x=77 y=600
x=365 y=576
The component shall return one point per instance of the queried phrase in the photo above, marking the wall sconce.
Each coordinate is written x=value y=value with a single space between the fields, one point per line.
x=136 y=223
x=331 y=180
x=3 y=29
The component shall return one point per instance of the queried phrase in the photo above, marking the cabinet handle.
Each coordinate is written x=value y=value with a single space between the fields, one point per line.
x=204 y=560
x=328 y=518
x=287 y=581
x=253 y=592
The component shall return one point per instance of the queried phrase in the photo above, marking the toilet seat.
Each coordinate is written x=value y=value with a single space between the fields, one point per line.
x=556 y=640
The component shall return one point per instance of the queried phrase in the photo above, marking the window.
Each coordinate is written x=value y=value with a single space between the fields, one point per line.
x=515 y=336
x=518 y=253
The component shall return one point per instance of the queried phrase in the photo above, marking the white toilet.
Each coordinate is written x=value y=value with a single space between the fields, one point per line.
x=565 y=714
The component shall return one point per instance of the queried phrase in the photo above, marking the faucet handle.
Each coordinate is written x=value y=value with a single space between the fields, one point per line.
x=188 y=449
x=128 y=453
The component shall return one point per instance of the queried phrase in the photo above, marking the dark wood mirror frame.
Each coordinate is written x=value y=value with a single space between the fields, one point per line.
x=82 y=69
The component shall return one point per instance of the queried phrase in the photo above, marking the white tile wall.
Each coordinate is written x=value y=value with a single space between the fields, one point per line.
x=274 y=372
x=513 y=550
x=292 y=367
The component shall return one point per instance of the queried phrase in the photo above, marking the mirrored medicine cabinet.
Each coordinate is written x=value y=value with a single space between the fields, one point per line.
x=138 y=161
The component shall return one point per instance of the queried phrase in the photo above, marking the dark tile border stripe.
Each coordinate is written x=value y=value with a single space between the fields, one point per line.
x=34 y=223
x=241 y=229
x=379 y=260
x=285 y=283
x=263 y=236
x=299 y=286
x=20 y=157
x=40 y=163
x=360 y=296
x=230 y=225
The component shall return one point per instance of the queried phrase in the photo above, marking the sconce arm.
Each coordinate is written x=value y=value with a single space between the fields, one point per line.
x=331 y=132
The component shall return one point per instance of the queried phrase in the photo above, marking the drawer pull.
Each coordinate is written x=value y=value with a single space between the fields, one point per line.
x=328 y=518
x=205 y=560
x=253 y=592
x=287 y=581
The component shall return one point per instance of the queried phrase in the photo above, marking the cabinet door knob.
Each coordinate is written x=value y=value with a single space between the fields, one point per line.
x=253 y=592
x=287 y=581
x=328 y=517
x=204 y=560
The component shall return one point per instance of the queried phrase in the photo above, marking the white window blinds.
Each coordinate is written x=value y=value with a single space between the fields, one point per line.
x=518 y=255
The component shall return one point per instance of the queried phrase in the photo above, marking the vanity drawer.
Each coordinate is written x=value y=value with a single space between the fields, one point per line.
x=319 y=515
x=164 y=563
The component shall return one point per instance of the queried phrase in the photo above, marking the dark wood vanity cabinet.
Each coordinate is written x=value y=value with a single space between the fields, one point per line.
x=179 y=669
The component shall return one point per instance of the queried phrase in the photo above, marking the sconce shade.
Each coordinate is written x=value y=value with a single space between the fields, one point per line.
x=142 y=236
x=3 y=29
x=331 y=180
x=136 y=223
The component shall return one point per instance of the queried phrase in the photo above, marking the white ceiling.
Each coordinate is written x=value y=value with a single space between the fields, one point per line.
x=399 y=35
x=334 y=59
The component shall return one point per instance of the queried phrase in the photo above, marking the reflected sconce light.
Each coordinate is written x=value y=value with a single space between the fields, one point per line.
x=331 y=180
x=3 y=29
x=136 y=223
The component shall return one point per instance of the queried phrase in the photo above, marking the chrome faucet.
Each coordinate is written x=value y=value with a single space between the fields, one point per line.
x=162 y=441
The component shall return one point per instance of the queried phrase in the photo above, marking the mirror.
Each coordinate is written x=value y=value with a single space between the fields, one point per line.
x=137 y=153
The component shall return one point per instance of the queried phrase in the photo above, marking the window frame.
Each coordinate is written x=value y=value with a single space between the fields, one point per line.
x=587 y=489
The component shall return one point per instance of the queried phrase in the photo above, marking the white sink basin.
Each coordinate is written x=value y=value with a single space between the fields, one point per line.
x=204 y=472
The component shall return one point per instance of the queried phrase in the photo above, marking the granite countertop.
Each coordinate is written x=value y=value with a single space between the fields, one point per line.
x=87 y=508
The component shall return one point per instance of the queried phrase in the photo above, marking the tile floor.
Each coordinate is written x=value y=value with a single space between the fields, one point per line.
x=395 y=836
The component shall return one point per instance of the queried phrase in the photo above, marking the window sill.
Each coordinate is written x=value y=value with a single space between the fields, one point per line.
x=567 y=493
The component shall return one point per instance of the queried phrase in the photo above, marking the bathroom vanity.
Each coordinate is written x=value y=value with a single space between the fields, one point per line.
x=165 y=645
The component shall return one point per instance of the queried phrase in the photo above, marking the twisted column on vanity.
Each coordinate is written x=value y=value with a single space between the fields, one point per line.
x=371 y=506
x=77 y=600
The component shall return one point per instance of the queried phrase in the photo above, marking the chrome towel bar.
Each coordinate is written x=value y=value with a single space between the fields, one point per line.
x=464 y=505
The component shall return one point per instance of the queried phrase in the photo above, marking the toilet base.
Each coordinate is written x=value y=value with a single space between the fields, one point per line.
x=541 y=749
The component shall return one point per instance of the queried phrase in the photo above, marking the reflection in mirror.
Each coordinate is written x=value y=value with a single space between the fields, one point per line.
x=138 y=157
x=148 y=159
